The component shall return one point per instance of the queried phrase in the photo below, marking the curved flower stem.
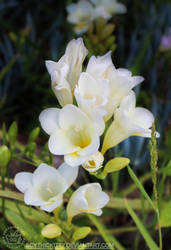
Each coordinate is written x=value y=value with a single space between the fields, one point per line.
x=24 y=160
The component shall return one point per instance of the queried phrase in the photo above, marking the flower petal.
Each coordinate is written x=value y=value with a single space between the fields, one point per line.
x=49 y=120
x=69 y=173
x=50 y=205
x=74 y=159
x=32 y=197
x=96 y=197
x=142 y=117
x=23 y=181
x=71 y=116
x=59 y=143
x=45 y=173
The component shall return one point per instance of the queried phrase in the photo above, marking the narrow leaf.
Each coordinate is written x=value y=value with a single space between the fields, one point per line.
x=150 y=242
x=140 y=186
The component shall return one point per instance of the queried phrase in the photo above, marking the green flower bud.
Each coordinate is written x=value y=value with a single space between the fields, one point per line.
x=5 y=156
x=12 y=133
x=34 y=134
x=81 y=233
x=51 y=231
x=116 y=164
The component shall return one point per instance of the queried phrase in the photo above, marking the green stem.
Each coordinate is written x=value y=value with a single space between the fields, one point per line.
x=115 y=181
x=24 y=160
x=116 y=231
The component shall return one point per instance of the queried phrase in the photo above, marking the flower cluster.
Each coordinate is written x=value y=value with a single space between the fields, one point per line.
x=84 y=12
x=101 y=95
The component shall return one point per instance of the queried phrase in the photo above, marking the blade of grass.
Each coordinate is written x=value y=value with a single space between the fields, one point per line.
x=150 y=242
x=112 y=241
x=12 y=195
x=119 y=203
x=140 y=186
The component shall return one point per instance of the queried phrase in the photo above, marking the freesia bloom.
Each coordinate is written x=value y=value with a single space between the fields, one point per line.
x=46 y=186
x=106 y=8
x=65 y=73
x=128 y=121
x=92 y=96
x=80 y=14
x=119 y=82
x=88 y=198
x=94 y=162
x=72 y=133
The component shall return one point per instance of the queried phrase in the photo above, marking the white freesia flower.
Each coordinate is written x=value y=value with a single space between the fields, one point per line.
x=92 y=96
x=46 y=186
x=128 y=121
x=88 y=198
x=80 y=14
x=121 y=81
x=65 y=73
x=107 y=8
x=72 y=133
x=94 y=162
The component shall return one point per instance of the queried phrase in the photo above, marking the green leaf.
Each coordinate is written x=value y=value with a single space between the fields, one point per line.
x=30 y=213
x=111 y=240
x=150 y=242
x=12 y=133
x=81 y=233
x=7 y=67
x=167 y=170
x=165 y=215
x=119 y=203
x=29 y=231
x=5 y=156
x=11 y=195
x=116 y=164
x=140 y=186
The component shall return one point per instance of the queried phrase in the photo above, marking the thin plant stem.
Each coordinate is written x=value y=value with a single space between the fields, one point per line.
x=154 y=171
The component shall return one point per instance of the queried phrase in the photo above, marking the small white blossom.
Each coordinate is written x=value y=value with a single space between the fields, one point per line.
x=107 y=8
x=120 y=81
x=72 y=133
x=65 y=73
x=88 y=198
x=94 y=162
x=46 y=186
x=80 y=14
x=128 y=121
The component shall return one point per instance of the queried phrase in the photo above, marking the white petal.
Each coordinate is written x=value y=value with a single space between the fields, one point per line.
x=32 y=197
x=92 y=148
x=124 y=72
x=120 y=8
x=49 y=120
x=71 y=116
x=23 y=181
x=74 y=159
x=96 y=197
x=51 y=66
x=142 y=117
x=44 y=174
x=136 y=80
x=100 y=66
x=48 y=207
x=128 y=102
x=69 y=173
x=59 y=143
x=77 y=202
x=97 y=212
